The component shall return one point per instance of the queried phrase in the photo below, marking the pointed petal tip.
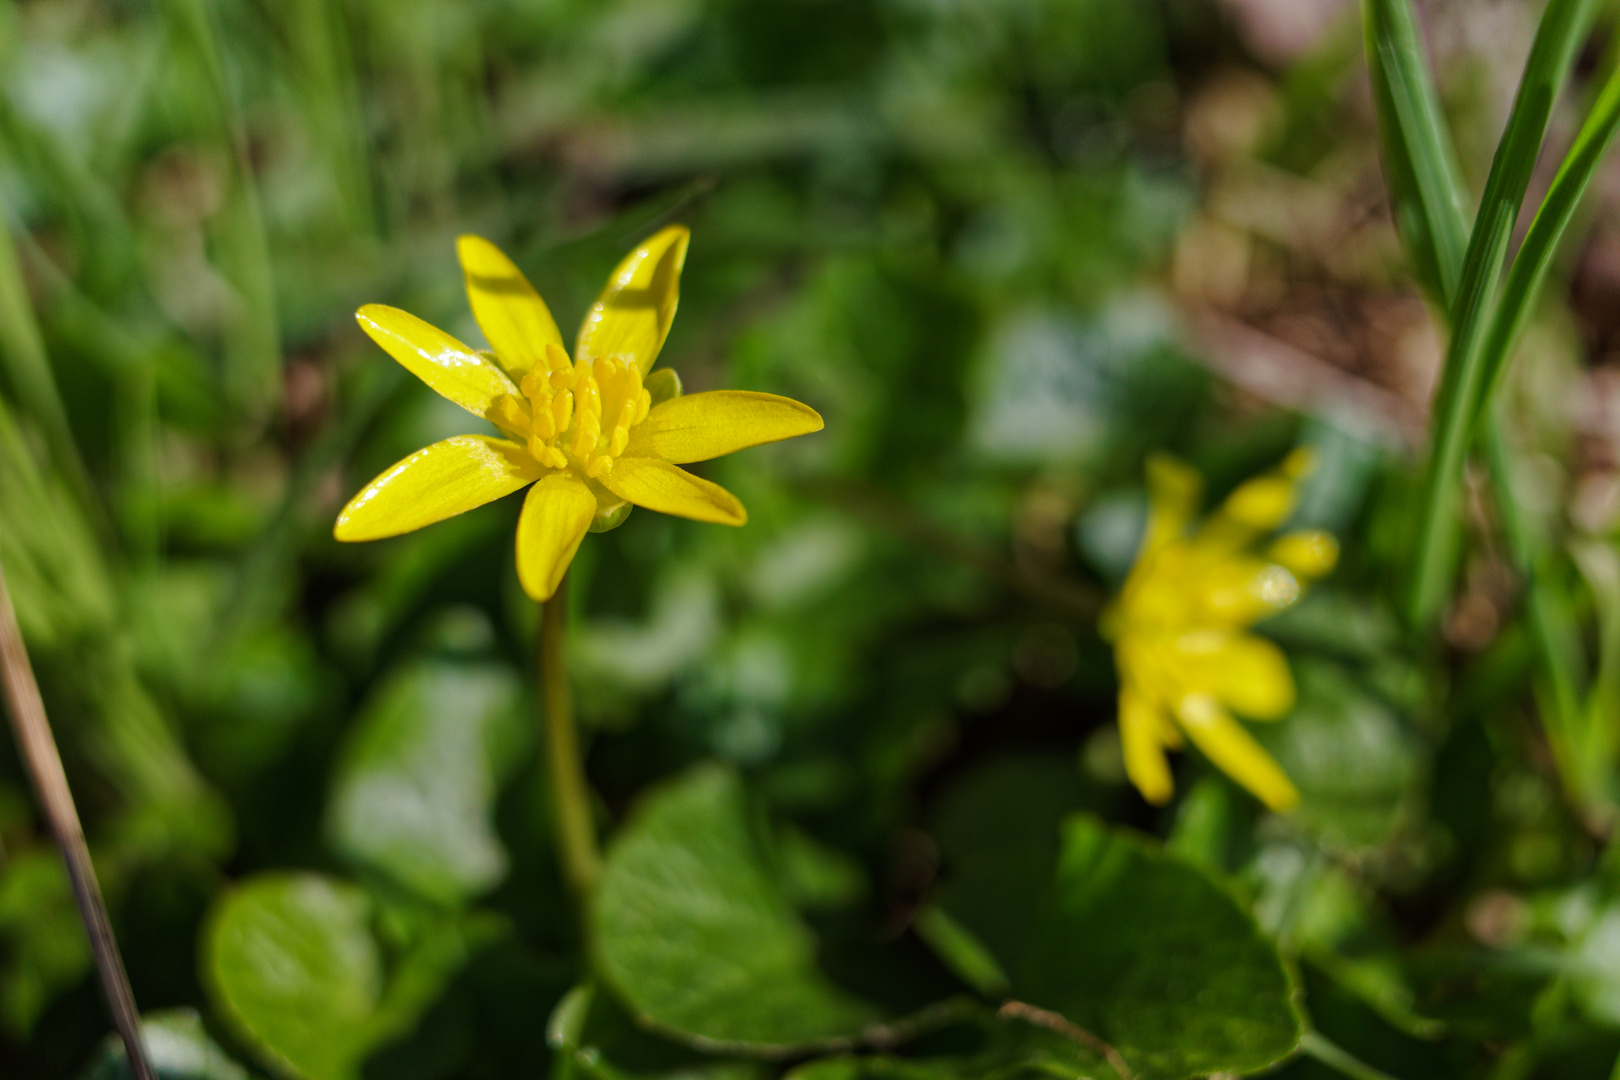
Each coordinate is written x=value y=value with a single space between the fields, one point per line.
x=470 y=247
x=1281 y=800
x=537 y=595
x=675 y=236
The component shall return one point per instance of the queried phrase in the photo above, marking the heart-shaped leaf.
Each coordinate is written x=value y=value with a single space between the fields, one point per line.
x=294 y=967
x=696 y=937
x=414 y=792
x=1108 y=932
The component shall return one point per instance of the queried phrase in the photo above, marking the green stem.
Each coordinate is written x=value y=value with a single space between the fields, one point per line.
x=1341 y=1061
x=570 y=796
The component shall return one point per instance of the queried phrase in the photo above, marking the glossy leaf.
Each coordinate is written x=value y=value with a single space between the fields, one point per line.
x=696 y=937
x=1353 y=759
x=414 y=791
x=293 y=967
x=1116 y=935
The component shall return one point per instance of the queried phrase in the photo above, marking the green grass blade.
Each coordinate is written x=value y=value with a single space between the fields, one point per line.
x=28 y=369
x=1421 y=169
x=252 y=375
x=1427 y=198
x=1535 y=257
x=1563 y=26
x=1552 y=625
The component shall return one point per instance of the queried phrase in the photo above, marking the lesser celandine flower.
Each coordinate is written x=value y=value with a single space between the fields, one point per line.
x=1180 y=627
x=594 y=436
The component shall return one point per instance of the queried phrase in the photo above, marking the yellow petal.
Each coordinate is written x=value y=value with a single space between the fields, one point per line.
x=1234 y=751
x=436 y=358
x=668 y=489
x=1239 y=590
x=437 y=482
x=556 y=514
x=513 y=317
x=1260 y=505
x=1309 y=554
x=698 y=427
x=1145 y=763
x=631 y=318
x=1247 y=674
x=1174 y=488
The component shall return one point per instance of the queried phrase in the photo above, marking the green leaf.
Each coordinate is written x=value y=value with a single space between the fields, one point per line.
x=695 y=935
x=178 y=1047
x=1153 y=957
x=45 y=945
x=1347 y=751
x=993 y=1046
x=1111 y=932
x=414 y=793
x=294 y=968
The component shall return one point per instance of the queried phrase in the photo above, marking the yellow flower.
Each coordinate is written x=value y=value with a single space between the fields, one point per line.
x=594 y=436
x=1179 y=627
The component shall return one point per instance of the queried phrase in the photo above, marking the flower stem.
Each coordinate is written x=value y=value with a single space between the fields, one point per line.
x=570 y=797
x=44 y=764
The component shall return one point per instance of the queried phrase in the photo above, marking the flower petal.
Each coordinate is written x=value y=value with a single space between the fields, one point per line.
x=698 y=427
x=1259 y=505
x=516 y=321
x=436 y=358
x=1234 y=751
x=437 y=482
x=1310 y=553
x=631 y=318
x=1247 y=674
x=668 y=489
x=1145 y=763
x=1174 y=488
x=556 y=514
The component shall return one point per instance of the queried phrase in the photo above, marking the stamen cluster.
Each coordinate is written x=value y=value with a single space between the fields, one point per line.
x=576 y=414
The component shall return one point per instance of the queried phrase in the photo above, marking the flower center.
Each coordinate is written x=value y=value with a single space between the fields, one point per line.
x=577 y=414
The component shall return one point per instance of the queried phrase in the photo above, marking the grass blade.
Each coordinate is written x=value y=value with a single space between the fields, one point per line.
x=1427 y=197
x=252 y=375
x=1535 y=256
x=1563 y=25
x=1418 y=160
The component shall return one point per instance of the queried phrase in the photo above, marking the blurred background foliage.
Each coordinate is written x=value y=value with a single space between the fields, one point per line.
x=1006 y=248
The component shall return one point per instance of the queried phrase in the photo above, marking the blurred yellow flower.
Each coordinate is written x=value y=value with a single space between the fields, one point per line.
x=594 y=436
x=1179 y=627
